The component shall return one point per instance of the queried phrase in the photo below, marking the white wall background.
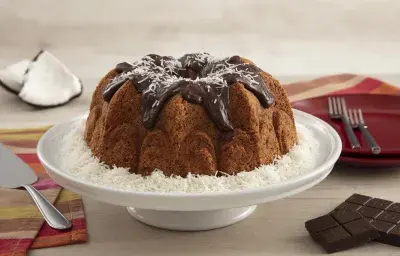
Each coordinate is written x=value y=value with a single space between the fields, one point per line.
x=307 y=37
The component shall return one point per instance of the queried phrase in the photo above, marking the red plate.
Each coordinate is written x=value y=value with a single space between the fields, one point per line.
x=381 y=114
x=370 y=161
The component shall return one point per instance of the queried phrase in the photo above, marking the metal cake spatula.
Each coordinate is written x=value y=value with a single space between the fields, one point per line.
x=14 y=173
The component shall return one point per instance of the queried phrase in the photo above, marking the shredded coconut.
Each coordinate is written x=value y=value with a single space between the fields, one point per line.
x=78 y=160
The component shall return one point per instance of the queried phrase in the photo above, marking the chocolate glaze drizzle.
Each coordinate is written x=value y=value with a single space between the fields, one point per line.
x=198 y=77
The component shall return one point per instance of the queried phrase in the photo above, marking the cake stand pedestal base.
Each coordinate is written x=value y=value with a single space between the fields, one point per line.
x=191 y=220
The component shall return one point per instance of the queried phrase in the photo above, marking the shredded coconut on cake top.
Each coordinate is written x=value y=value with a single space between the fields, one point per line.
x=77 y=159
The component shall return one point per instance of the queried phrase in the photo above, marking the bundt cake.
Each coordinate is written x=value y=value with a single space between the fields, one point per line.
x=196 y=114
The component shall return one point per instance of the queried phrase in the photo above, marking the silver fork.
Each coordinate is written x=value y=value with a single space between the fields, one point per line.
x=357 y=121
x=337 y=110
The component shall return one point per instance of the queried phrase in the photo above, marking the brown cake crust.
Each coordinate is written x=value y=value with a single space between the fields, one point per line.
x=184 y=138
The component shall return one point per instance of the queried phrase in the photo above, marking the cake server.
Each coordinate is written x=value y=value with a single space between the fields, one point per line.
x=14 y=173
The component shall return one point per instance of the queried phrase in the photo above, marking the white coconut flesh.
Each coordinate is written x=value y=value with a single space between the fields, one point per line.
x=11 y=77
x=48 y=82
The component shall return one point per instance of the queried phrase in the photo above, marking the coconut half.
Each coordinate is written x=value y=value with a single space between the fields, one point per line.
x=49 y=83
x=12 y=77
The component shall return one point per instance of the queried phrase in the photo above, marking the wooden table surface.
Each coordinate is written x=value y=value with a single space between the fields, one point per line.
x=292 y=46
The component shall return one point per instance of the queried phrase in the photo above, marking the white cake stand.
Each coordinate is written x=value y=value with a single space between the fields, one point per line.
x=193 y=212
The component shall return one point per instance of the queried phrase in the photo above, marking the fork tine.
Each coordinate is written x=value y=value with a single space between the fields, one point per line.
x=344 y=107
x=330 y=108
x=335 y=112
x=356 y=116
x=361 y=116
x=335 y=106
x=352 y=119
x=339 y=106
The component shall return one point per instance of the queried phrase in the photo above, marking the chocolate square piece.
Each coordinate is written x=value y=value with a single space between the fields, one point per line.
x=394 y=208
x=382 y=226
x=320 y=224
x=369 y=212
x=346 y=205
x=357 y=227
x=360 y=227
x=335 y=236
x=395 y=231
x=379 y=203
x=392 y=217
x=358 y=199
x=391 y=238
x=345 y=215
x=335 y=239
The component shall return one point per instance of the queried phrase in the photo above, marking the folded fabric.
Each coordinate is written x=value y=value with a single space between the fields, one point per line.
x=339 y=84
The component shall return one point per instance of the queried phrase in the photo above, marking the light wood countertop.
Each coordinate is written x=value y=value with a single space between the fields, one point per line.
x=275 y=228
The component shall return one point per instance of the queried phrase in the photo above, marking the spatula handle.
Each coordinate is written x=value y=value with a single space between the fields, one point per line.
x=53 y=217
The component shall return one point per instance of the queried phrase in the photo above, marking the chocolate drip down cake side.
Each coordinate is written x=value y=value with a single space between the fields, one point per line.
x=196 y=114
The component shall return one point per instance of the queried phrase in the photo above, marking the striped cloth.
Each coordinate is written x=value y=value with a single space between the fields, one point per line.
x=21 y=225
x=339 y=84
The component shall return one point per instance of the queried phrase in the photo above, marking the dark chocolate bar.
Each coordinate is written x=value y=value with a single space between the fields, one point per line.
x=384 y=215
x=341 y=229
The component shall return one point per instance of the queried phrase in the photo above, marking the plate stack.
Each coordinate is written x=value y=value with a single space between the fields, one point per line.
x=381 y=114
